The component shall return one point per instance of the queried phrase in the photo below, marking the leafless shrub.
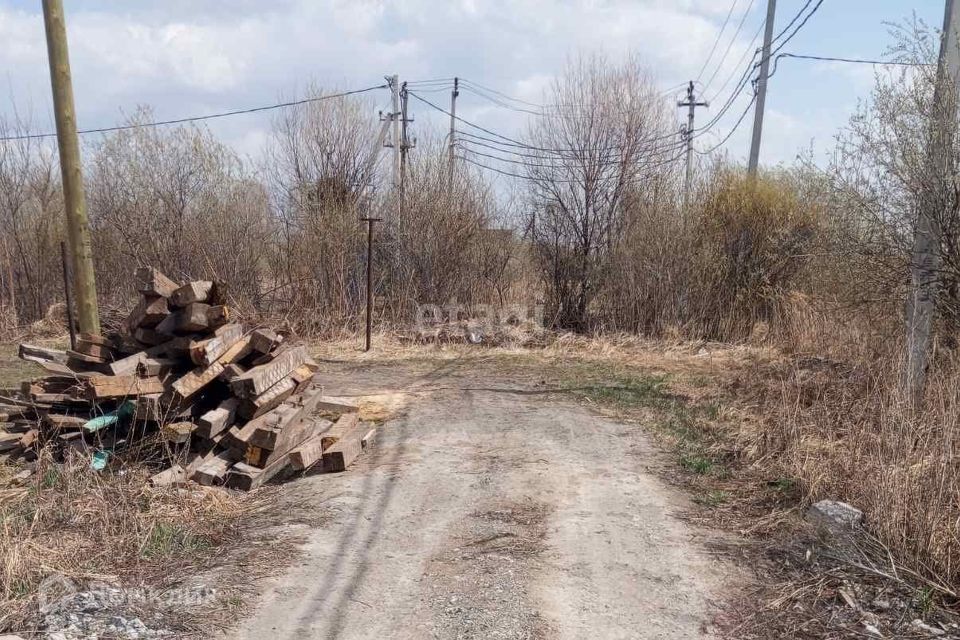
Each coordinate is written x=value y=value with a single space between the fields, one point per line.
x=323 y=177
x=30 y=221
x=847 y=432
x=179 y=200
x=445 y=240
x=583 y=164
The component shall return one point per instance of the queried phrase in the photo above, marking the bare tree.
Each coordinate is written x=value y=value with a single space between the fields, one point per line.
x=443 y=241
x=323 y=177
x=30 y=220
x=883 y=177
x=177 y=199
x=604 y=131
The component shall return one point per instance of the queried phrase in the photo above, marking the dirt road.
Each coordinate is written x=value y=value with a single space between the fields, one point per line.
x=490 y=511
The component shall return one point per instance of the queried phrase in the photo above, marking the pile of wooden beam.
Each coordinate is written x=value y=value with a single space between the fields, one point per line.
x=234 y=405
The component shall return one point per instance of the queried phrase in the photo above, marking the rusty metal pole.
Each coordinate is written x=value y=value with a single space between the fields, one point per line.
x=67 y=294
x=369 y=222
x=78 y=226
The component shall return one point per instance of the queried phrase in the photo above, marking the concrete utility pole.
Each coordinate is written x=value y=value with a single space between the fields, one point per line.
x=453 y=129
x=936 y=199
x=78 y=227
x=405 y=146
x=394 y=82
x=762 y=89
x=692 y=104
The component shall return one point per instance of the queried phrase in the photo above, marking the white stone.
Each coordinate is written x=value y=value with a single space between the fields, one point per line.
x=836 y=516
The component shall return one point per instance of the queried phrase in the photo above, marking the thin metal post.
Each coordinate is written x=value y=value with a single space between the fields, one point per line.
x=369 y=222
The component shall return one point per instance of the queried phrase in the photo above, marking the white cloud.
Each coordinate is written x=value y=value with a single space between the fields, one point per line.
x=185 y=57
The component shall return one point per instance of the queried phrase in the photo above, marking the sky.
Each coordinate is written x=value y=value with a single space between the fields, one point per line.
x=194 y=57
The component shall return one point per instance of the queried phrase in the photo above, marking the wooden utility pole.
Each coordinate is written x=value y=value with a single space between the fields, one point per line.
x=67 y=295
x=453 y=130
x=78 y=227
x=936 y=199
x=369 y=222
x=692 y=104
x=762 y=89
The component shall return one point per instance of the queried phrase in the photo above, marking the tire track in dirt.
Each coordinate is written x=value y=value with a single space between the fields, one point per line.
x=491 y=515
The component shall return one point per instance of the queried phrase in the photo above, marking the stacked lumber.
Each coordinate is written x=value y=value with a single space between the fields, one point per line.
x=238 y=405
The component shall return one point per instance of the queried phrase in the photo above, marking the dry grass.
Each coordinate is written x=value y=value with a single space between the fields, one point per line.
x=845 y=433
x=13 y=370
x=109 y=526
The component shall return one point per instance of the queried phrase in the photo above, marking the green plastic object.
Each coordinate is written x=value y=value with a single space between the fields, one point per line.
x=122 y=412
x=99 y=461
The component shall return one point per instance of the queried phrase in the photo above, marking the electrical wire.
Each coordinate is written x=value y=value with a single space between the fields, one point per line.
x=485 y=92
x=796 y=30
x=716 y=42
x=743 y=82
x=733 y=40
x=477 y=85
x=892 y=63
x=792 y=22
x=511 y=142
x=854 y=60
x=800 y=26
x=433 y=81
x=661 y=151
x=561 y=181
x=502 y=103
x=729 y=135
x=212 y=116
x=750 y=47
x=502 y=144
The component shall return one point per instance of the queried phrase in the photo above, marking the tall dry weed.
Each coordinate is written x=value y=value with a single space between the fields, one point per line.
x=846 y=432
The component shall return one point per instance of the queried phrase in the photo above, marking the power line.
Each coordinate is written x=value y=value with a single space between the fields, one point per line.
x=854 y=60
x=212 y=116
x=892 y=63
x=794 y=21
x=726 y=53
x=504 y=104
x=717 y=40
x=603 y=163
x=788 y=33
x=609 y=160
x=726 y=138
x=511 y=142
x=541 y=110
x=432 y=81
x=511 y=174
x=744 y=78
x=750 y=47
x=494 y=169
x=800 y=26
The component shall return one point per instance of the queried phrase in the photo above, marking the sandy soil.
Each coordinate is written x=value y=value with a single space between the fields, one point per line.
x=486 y=511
